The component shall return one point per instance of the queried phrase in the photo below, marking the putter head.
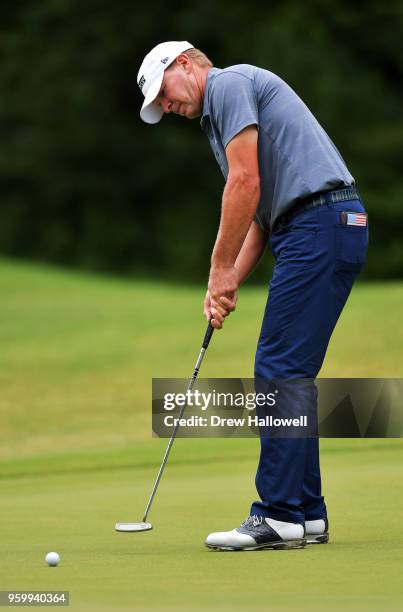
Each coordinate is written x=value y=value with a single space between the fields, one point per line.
x=132 y=527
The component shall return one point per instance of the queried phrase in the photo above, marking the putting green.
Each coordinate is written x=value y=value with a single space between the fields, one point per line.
x=78 y=353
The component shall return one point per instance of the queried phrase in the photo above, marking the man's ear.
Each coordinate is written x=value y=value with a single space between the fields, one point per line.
x=184 y=62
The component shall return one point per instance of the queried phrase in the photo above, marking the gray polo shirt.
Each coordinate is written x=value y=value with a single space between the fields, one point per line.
x=296 y=156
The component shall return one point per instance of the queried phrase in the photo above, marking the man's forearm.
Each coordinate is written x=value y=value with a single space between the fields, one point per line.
x=251 y=251
x=240 y=200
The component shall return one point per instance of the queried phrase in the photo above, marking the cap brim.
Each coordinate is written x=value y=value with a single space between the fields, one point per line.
x=151 y=112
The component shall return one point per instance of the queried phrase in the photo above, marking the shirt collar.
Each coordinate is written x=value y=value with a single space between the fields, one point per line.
x=206 y=112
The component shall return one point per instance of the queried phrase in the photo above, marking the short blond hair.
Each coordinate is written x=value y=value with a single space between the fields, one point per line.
x=199 y=58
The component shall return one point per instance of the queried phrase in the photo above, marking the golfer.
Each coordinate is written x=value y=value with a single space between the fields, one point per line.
x=287 y=186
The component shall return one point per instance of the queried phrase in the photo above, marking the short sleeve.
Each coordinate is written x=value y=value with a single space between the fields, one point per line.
x=233 y=104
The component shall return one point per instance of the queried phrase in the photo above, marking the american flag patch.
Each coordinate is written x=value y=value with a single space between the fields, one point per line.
x=357 y=219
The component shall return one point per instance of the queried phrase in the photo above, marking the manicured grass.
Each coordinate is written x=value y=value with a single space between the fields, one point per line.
x=77 y=356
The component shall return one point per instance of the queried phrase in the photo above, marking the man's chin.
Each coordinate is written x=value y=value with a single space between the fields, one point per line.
x=190 y=114
x=193 y=115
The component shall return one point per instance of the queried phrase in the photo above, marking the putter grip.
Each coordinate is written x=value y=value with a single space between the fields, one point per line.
x=207 y=336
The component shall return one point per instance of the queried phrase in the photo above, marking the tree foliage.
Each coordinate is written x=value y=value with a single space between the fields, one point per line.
x=84 y=182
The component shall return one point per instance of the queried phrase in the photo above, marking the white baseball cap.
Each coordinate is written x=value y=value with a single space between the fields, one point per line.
x=151 y=73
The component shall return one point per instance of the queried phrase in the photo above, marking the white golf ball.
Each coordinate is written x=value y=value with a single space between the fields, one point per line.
x=52 y=559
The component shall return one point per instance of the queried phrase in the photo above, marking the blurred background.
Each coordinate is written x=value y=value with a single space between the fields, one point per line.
x=85 y=184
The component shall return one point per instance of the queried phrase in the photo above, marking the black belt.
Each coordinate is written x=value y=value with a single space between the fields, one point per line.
x=318 y=199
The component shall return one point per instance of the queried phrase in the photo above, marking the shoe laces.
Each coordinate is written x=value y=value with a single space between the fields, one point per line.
x=253 y=519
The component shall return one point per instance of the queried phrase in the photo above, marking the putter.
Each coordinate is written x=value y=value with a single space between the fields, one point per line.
x=144 y=525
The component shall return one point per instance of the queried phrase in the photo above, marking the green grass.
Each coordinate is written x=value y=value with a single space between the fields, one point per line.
x=76 y=361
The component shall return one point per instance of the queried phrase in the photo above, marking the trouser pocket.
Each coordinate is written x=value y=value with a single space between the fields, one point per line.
x=351 y=247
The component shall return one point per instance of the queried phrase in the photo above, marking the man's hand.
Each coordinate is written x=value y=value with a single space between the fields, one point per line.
x=218 y=314
x=221 y=296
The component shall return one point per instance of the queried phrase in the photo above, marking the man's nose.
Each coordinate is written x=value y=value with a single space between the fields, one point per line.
x=166 y=106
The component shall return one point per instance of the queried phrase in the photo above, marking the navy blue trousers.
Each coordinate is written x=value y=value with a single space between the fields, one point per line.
x=317 y=261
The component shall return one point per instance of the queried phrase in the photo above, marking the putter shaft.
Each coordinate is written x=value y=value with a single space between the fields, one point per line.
x=203 y=349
